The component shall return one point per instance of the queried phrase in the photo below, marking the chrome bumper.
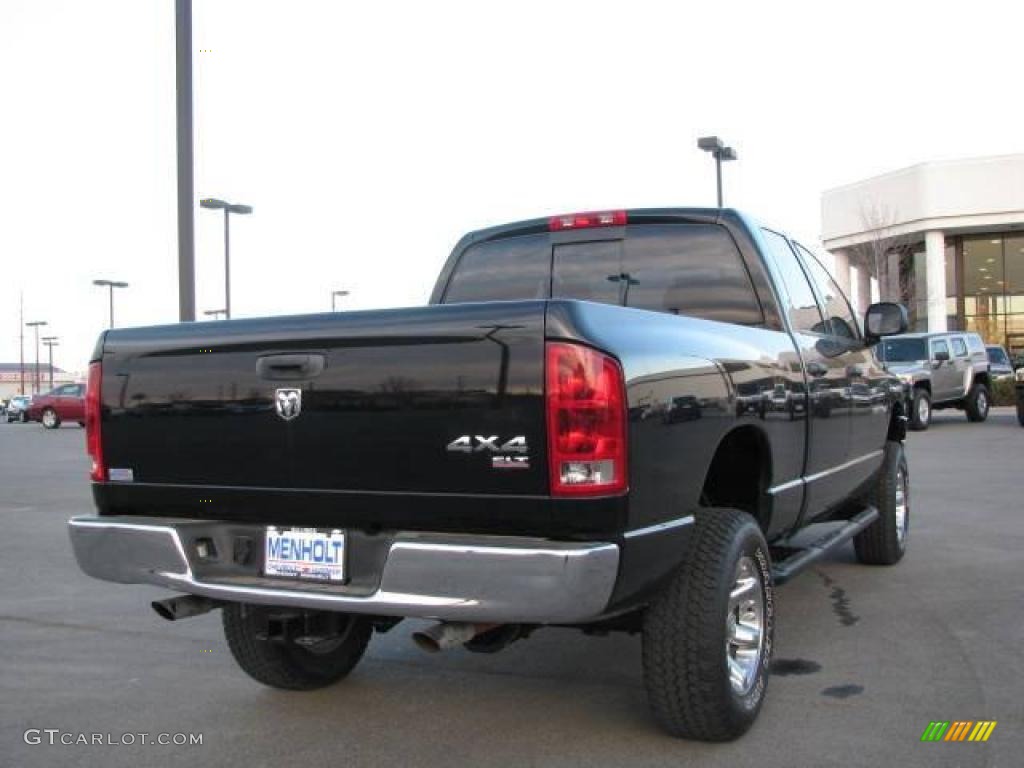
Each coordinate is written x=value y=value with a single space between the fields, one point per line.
x=454 y=577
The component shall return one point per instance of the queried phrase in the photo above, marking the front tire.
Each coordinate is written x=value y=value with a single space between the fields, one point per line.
x=884 y=542
x=920 y=410
x=1020 y=407
x=707 y=637
x=50 y=419
x=330 y=648
x=977 y=403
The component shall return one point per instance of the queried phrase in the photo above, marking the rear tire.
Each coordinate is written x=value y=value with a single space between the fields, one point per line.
x=286 y=663
x=707 y=637
x=977 y=402
x=920 y=410
x=1020 y=407
x=884 y=542
x=50 y=419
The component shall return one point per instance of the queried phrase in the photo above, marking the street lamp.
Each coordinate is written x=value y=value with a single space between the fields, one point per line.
x=51 y=342
x=214 y=204
x=334 y=295
x=35 y=325
x=215 y=313
x=714 y=145
x=111 y=285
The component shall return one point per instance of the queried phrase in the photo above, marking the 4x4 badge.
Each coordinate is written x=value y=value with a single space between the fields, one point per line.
x=288 y=403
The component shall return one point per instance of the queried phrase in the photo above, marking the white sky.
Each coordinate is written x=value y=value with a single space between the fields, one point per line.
x=370 y=136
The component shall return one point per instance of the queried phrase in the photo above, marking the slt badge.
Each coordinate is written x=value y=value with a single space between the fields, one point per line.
x=288 y=403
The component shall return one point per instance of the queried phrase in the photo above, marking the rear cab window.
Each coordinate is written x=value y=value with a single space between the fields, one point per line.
x=683 y=269
x=959 y=347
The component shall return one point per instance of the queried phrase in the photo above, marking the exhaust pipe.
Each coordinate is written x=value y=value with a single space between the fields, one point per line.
x=448 y=634
x=184 y=606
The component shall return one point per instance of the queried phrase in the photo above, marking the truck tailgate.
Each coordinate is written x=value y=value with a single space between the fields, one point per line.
x=438 y=399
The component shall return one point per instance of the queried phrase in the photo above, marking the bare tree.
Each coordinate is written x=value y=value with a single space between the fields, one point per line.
x=878 y=221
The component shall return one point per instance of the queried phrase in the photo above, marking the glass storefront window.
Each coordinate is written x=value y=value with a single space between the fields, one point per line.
x=991 y=286
x=1014 y=253
x=983 y=266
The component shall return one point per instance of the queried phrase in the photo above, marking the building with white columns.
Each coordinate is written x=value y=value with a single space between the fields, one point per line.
x=945 y=238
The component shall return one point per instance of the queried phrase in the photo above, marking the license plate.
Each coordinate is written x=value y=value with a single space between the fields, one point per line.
x=305 y=553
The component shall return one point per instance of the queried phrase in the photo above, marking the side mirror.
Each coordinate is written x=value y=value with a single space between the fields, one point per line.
x=941 y=356
x=884 y=319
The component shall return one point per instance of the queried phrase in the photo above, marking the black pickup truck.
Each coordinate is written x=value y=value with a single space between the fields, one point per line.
x=625 y=420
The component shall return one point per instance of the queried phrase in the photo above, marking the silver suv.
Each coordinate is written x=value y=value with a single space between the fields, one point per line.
x=941 y=370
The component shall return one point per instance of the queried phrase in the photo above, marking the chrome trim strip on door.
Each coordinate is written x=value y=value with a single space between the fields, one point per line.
x=819 y=475
x=844 y=466
x=660 y=527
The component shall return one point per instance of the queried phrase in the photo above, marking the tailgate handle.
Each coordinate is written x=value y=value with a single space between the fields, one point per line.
x=285 y=367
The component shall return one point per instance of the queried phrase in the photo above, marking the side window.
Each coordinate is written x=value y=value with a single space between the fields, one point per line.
x=802 y=308
x=64 y=391
x=959 y=347
x=837 y=309
x=939 y=345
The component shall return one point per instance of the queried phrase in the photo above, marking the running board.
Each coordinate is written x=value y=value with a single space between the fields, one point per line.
x=802 y=556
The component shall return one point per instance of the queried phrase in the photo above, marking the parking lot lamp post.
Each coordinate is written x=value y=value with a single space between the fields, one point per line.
x=213 y=203
x=51 y=342
x=714 y=145
x=35 y=326
x=110 y=285
x=334 y=295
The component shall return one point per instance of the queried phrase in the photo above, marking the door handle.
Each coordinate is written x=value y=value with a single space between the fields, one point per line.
x=289 y=367
x=816 y=369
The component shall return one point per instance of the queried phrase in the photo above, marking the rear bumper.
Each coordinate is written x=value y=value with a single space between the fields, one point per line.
x=453 y=577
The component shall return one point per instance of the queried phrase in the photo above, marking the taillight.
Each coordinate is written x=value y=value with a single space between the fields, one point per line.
x=587 y=220
x=586 y=403
x=93 y=432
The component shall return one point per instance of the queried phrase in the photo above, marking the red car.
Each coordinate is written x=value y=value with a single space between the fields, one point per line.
x=66 y=403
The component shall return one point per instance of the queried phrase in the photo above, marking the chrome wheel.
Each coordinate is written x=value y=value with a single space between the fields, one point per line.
x=49 y=419
x=924 y=410
x=744 y=627
x=902 y=508
x=982 y=401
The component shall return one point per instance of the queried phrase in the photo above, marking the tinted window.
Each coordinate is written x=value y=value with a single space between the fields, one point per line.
x=803 y=310
x=939 y=346
x=959 y=347
x=837 y=308
x=514 y=268
x=902 y=350
x=997 y=355
x=693 y=270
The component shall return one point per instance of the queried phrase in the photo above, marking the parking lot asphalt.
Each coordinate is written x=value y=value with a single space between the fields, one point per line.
x=865 y=657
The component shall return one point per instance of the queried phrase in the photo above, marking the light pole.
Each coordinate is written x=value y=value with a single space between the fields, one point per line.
x=714 y=145
x=214 y=204
x=110 y=285
x=51 y=342
x=35 y=325
x=334 y=295
x=214 y=313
